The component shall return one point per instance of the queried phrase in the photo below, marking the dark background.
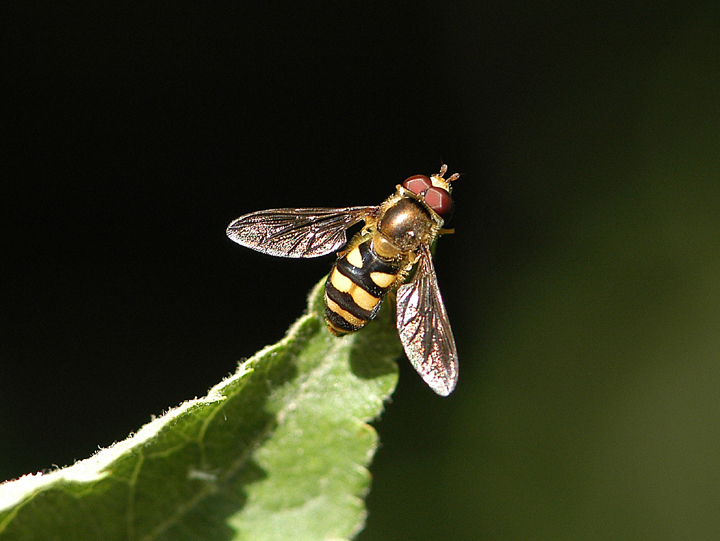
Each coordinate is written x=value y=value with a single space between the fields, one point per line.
x=583 y=282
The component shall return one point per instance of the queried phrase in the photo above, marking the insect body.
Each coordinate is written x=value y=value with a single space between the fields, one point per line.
x=396 y=237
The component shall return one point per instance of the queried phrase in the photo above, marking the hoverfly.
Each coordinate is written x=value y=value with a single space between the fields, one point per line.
x=396 y=237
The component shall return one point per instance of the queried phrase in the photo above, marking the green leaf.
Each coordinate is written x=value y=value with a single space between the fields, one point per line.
x=278 y=450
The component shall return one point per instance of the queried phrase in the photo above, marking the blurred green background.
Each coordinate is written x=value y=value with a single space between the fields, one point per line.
x=583 y=282
x=589 y=404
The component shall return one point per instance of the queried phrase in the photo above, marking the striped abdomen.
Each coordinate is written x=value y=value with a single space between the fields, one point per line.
x=355 y=288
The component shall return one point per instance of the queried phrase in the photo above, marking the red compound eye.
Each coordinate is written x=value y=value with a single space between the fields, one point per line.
x=439 y=200
x=417 y=184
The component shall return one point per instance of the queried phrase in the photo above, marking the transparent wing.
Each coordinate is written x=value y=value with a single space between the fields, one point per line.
x=424 y=328
x=310 y=232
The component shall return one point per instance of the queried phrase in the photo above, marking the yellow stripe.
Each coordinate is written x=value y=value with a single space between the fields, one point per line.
x=340 y=281
x=337 y=331
x=382 y=279
x=355 y=258
x=347 y=316
x=363 y=299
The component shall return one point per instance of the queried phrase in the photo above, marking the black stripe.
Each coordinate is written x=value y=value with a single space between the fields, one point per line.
x=346 y=302
x=371 y=263
x=339 y=322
